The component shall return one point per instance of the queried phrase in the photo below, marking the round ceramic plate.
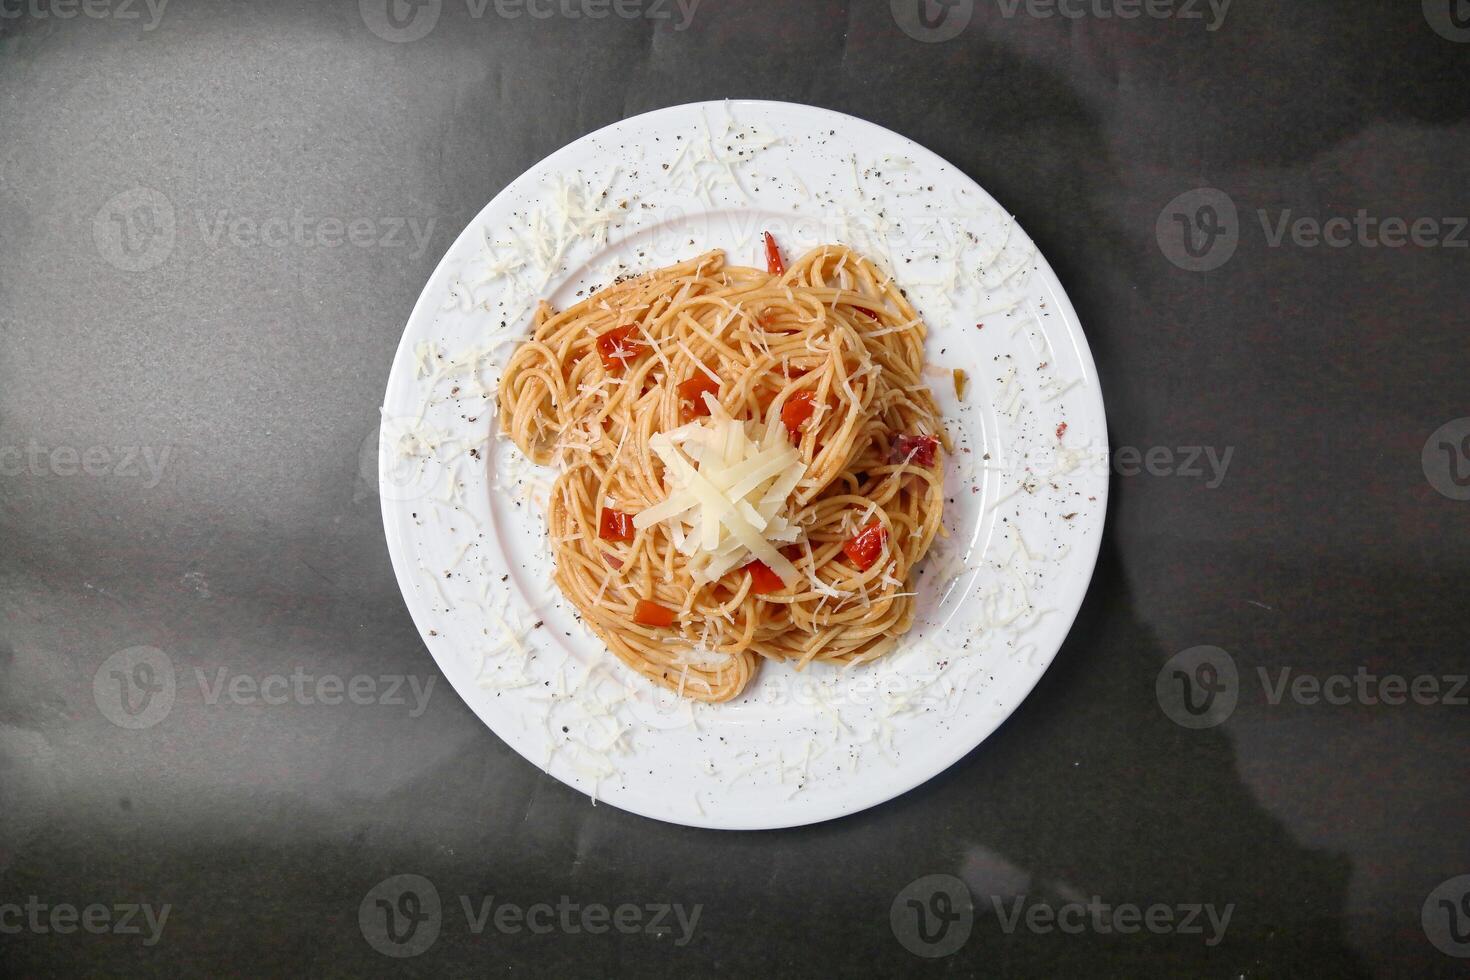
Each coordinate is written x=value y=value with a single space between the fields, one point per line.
x=1026 y=487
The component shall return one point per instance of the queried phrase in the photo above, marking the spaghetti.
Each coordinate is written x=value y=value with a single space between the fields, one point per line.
x=749 y=463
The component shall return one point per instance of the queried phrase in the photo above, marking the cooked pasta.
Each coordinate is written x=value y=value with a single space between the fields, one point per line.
x=749 y=463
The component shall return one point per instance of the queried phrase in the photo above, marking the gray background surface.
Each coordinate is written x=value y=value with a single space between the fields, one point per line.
x=246 y=360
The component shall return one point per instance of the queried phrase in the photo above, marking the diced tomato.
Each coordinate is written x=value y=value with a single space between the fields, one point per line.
x=866 y=312
x=793 y=551
x=774 y=264
x=1061 y=430
x=693 y=391
x=612 y=559
x=762 y=579
x=919 y=450
x=615 y=525
x=798 y=408
x=617 y=347
x=648 y=613
x=864 y=547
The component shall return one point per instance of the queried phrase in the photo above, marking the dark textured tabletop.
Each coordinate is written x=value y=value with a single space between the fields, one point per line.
x=214 y=221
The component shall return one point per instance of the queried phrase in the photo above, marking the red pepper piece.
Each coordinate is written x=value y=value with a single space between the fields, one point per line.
x=864 y=547
x=774 y=263
x=615 y=525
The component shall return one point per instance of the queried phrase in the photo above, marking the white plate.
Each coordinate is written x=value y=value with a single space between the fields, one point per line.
x=462 y=511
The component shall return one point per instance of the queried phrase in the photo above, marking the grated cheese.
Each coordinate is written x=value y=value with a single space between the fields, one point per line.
x=730 y=485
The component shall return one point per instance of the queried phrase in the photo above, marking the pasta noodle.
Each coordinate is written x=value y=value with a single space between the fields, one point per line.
x=773 y=430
